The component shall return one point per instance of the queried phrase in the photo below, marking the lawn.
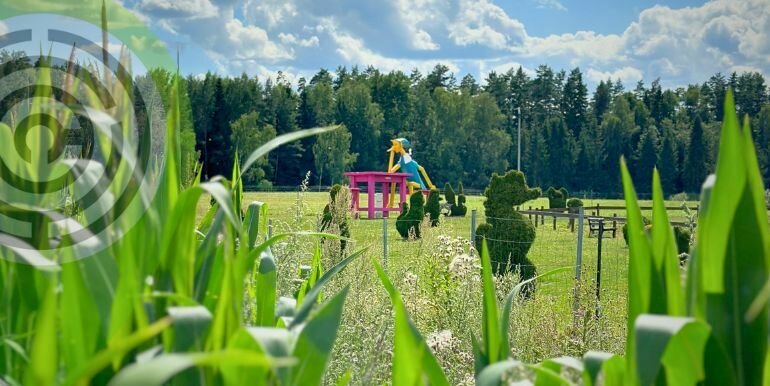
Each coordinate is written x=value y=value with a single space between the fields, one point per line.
x=564 y=318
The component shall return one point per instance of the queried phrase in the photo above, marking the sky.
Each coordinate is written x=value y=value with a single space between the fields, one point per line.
x=680 y=42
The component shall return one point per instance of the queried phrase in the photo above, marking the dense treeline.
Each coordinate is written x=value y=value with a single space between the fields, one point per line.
x=463 y=131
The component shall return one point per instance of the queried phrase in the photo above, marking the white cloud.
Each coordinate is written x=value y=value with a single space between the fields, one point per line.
x=484 y=23
x=354 y=51
x=251 y=42
x=551 y=4
x=270 y=12
x=627 y=75
x=189 y=8
x=287 y=38
x=413 y=14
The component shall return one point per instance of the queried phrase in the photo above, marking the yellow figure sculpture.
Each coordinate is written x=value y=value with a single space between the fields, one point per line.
x=406 y=164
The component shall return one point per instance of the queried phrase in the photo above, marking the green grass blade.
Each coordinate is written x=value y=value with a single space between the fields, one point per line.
x=44 y=352
x=266 y=289
x=665 y=258
x=490 y=330
x=314 y=344
x=255 y=220
x=733 y=254
x=78 y=309
x=639 y=263
x=312 y=296
x=412 y=359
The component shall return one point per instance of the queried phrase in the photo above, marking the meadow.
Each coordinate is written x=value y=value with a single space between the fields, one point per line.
x=564 y=318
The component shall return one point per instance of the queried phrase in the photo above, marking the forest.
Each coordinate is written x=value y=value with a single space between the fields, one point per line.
x=465 y=130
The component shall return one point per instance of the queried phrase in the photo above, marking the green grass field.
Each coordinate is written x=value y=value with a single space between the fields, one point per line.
x=561 y=320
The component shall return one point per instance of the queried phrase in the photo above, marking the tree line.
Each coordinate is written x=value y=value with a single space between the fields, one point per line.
x=465 y=130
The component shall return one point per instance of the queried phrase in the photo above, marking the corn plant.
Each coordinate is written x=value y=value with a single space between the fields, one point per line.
x=161 y=300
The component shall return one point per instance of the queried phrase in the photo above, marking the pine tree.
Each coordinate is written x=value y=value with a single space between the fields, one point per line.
x=696 y=164
x=646 y=158
x=668 y=162
x=575 y=103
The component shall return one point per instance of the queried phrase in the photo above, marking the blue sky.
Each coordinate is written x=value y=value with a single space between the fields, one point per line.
x=678 y=41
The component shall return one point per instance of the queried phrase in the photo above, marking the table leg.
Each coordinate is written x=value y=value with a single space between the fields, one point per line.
x=403 y=192
x=370 y=188
x=385 y=193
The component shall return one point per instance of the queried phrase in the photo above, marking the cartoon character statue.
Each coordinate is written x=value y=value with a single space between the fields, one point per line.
x=406 y=164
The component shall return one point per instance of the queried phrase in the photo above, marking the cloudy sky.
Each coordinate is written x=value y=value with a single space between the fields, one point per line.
x=679 y=41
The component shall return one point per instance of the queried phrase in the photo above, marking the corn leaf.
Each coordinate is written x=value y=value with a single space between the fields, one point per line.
x=413 y=363
x=314 y=344
x=675 y=344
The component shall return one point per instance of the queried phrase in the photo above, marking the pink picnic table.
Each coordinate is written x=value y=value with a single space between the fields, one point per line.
x=371 y=179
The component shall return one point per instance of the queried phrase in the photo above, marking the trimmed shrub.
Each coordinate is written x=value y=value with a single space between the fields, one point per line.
x=433 y=207
x=460 y=209
x=408 y=223
x=557 y=198
x=509 y=234
x=335 y=214
x=682 y=237
x=574 y=203
x=449 y=195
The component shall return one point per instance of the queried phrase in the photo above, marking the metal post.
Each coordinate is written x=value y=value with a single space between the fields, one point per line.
x=473 y=225
x=599 y=266
x=385 y=244
x=579 y=253
x=518 y=142
x=270 y=228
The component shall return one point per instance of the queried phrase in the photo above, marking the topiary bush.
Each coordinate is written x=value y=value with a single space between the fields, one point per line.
x=509 y=235
x=557 y=198
x=449 y=195
x=433 y=207
x=408 y=223
x=335 y=214
x=460 y=209
x=574 y=203
x=682 y=237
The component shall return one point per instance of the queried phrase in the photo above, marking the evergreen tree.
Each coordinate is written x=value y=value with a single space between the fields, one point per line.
x=646 y=159
x=696 y=164
x=219 y=147
x=668 y=162
x=601 y=101
x=575 y=103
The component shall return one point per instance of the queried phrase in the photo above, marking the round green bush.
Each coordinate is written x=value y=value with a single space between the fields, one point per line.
x=412 y=214
x=574 y=203
x=509 y=235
